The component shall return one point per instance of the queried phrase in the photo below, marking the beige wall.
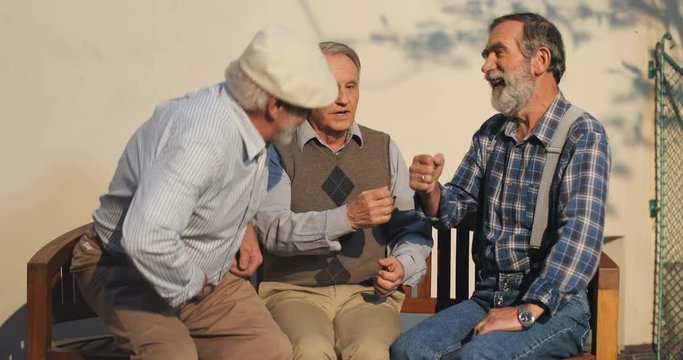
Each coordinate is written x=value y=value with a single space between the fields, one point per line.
x=79 y=76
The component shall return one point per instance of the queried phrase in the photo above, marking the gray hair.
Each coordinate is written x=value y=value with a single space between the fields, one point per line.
x=335 y=48
x=538 y=32
x=250 y=96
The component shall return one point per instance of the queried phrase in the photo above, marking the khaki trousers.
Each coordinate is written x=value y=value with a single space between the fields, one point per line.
x=230 y=323
x=331 y=322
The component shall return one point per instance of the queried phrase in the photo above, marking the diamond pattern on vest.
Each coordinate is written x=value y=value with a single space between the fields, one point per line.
x=338 y=186
x=334 y=273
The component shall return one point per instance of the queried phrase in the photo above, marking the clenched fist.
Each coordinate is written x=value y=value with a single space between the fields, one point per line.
x=389 y=277
x=424 y=179
x=371 y=207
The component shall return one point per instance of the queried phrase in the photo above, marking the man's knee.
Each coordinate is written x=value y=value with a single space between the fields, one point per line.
x=151 y=335
x=480 y=348
x=275 y=346
x=314 y=347
x=366 y=348
x=401 y=348
x=398 y=348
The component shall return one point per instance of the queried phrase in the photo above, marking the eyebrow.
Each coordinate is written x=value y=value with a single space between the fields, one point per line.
x=495 y=46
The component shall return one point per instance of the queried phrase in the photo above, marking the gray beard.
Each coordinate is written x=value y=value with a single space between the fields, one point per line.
x=516 y=92
x=285 y=136
x=286 y=132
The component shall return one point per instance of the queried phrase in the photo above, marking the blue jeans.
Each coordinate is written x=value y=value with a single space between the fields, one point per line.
x=448 y=334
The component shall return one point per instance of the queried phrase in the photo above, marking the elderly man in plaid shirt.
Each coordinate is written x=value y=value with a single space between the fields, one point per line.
x=528 y=303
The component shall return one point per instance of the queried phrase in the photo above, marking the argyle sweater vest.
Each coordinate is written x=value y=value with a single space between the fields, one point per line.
x=322 y=180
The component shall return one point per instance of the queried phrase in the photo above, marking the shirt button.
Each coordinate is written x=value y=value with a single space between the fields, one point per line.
x=506 y=219
x=508 y=183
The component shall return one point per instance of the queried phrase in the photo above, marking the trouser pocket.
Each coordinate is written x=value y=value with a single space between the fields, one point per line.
x=87 y=252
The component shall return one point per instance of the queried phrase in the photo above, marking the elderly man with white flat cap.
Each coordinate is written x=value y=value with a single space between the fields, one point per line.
x=156 y=267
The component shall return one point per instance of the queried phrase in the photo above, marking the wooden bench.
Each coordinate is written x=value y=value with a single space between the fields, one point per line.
x=53 y=297
x=603 y=291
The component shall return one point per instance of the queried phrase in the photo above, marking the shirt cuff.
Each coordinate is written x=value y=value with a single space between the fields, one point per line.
x=419 y=209
x=541 y=292
x=413 y=272
x=337 y=225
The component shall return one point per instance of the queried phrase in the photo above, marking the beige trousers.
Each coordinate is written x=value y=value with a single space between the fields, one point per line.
x=230 y=323
x=331 y=322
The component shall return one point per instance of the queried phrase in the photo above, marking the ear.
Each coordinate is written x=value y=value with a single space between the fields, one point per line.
x=274 y=109
x=541 y=61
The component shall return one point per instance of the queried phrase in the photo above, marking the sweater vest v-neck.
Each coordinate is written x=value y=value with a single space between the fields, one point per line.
x=322 y=180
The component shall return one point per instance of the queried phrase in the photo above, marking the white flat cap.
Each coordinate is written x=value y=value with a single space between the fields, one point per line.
x=290 y=67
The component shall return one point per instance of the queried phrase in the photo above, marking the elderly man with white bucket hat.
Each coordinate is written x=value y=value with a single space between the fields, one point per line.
x=156 y=266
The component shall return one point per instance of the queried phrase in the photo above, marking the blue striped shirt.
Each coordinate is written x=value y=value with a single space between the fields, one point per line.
x=571 y=254
x=188 y=182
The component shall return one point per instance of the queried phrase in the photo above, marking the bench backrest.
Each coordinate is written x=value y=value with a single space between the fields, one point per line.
x=52 y=293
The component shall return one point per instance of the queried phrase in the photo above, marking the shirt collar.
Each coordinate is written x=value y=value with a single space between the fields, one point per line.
x=545 y=128
x=305 y=133
x=253 y=142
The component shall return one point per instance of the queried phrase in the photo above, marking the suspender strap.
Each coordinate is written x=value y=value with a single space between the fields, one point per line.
x=494 y=139
x=552 y=157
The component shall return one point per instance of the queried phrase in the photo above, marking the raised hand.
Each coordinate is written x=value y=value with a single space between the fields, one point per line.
x=425 y=172
x=424 y=179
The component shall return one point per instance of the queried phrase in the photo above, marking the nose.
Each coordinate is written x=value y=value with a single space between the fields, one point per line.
x=342 y=98
x=489 y=63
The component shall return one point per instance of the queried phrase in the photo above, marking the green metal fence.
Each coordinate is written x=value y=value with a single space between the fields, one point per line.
x=668 y=206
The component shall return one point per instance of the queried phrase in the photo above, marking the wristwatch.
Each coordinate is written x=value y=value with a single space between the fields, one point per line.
x=525 y=317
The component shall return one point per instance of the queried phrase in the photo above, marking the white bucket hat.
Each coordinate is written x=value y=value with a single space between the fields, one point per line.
x=289 y=67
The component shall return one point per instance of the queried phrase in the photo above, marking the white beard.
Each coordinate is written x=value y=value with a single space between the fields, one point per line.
x=514 y=94
x=285 y=136
x=286 y=132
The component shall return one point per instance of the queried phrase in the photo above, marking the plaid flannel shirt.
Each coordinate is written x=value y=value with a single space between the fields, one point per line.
x=571 y=253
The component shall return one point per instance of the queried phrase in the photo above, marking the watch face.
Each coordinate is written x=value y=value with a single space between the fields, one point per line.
x=525 y=317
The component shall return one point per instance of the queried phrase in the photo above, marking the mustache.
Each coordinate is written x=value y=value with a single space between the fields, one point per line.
x=494 y=75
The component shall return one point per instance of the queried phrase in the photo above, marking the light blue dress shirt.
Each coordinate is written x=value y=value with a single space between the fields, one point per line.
x=187 y=184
